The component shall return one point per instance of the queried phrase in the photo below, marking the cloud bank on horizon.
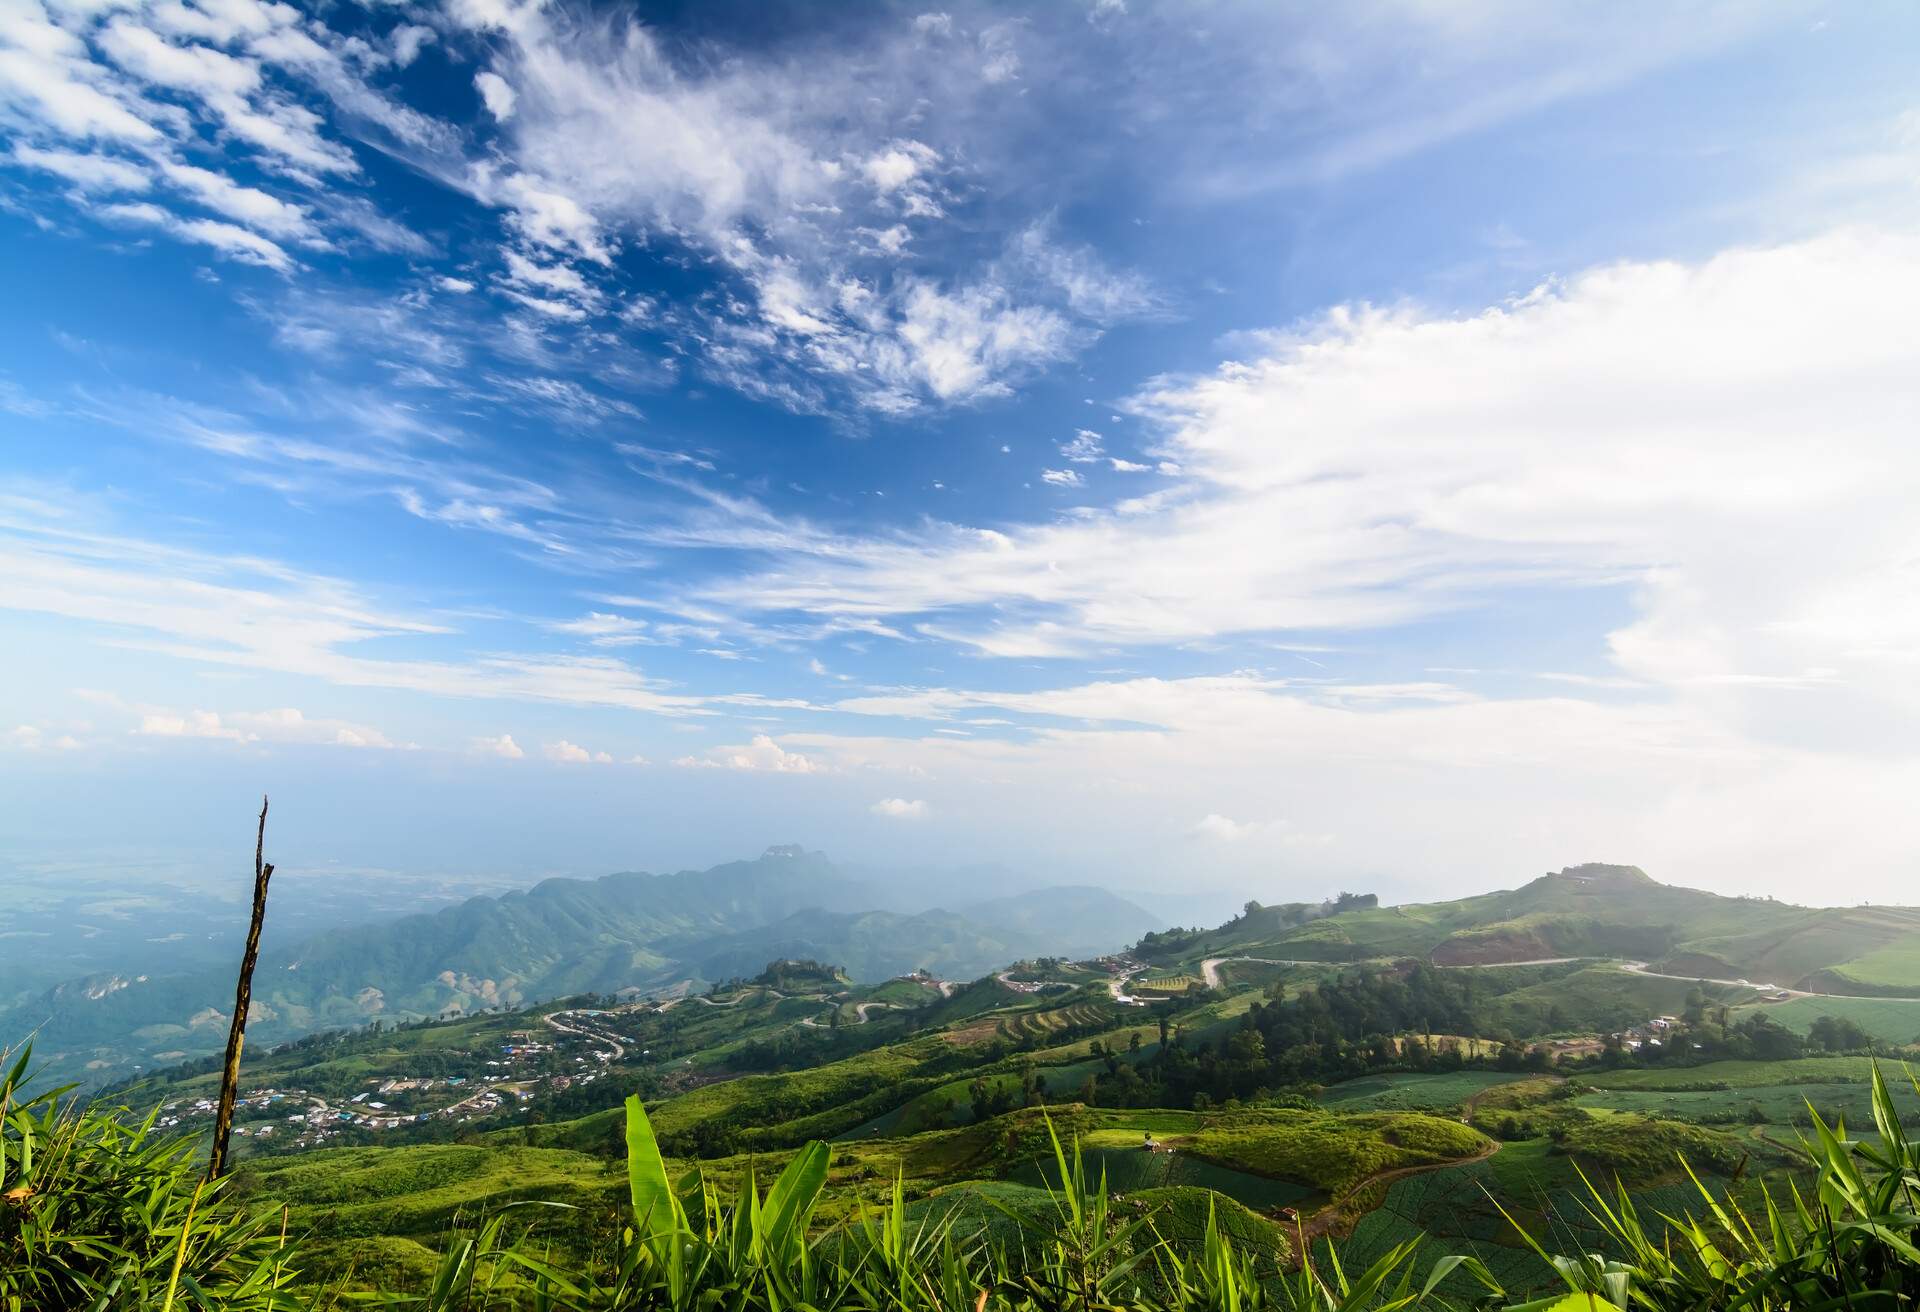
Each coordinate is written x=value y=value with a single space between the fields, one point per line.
x=1392 y=445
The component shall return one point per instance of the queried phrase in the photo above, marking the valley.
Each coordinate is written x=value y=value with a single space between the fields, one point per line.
x=1296 y=1065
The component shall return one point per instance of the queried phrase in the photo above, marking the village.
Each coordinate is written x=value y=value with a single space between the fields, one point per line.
x=577 y=1052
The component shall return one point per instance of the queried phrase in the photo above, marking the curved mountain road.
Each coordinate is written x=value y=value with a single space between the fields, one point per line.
x=1210 y=968
x=619 y=1049
x=1642 y=968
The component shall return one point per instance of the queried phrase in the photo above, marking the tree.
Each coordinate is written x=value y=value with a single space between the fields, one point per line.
x=1838 y=1034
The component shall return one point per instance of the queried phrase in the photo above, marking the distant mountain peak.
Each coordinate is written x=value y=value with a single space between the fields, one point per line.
x=1598 y=874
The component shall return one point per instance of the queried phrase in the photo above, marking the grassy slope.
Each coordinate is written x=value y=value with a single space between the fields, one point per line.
x=1331 y=1152
x=1890 y=1020
x=1413 y=1093
x=1602 y=998
x=1608 y=911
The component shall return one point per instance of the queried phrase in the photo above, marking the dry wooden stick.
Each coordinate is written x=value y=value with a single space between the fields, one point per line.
x=242 y=1000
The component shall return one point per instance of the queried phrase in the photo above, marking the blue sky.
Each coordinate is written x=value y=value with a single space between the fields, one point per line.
x=1186 y=445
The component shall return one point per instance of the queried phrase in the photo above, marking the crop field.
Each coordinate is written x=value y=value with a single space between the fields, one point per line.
x=1601 y=998
x=1896 y=966
x=1890 y=1020
x=1451 y=1211
x=1039 y=1024
x=1167 y=984
x=1130 y=1170
x=1413 y=1092
x=1780 y=1104
x=1741 y=1074
x=1333 y=1153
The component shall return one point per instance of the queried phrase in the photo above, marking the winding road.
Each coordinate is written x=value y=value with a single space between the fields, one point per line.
x=1210 y=968
x=619 y=1049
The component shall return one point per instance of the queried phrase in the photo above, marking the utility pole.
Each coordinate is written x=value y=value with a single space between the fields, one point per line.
x=242 y=1000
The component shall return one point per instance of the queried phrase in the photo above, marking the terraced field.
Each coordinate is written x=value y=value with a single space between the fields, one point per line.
x=1037 y=1025
x=1167 y=984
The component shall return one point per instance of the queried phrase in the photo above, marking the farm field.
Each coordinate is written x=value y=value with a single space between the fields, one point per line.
x=1600 y=998
x=1896 y=966
x=1413 y=1092
x=1740 y=1074
x=1129 y=1170
x=1893 y=1021
x=1774 y=1104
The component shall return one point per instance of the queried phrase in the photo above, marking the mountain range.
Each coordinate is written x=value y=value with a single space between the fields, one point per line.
x=563 y=937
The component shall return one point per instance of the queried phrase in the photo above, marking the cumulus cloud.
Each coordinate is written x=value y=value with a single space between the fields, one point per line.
x=32 y=738
x=504 y=747
x=496 y=92
x=1062 y=477
x=763 y=753
x=1084 y=447
x=899 y=808
x=574 y=754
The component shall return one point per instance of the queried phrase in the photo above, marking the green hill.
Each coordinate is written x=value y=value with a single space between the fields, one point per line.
x=1591 y=911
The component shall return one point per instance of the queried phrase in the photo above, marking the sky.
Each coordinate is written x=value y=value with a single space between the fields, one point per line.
x=1192 y=446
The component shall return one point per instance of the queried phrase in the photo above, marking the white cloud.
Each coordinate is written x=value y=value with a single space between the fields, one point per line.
x=32 y=738
x=497 y=94
x=1214 y=825
x=763 y=753
x=247 y=205
x=1062 y=477
x=285 y=725
x=228 y=239
x=1720 y=436
x=1127 y=466
x=900 y=164
x=407 y=40
x=899 y=808
x=504 y=747
x=89 y=172
x=1084 y=448
x=574 y=754
x=603 y=629
x=247 y=613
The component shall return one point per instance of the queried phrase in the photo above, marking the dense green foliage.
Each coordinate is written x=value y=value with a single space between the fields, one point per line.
x=1844 y=1242
x=96 y=1210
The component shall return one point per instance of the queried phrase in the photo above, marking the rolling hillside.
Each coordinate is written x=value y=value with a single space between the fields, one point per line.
x=1600 y=911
